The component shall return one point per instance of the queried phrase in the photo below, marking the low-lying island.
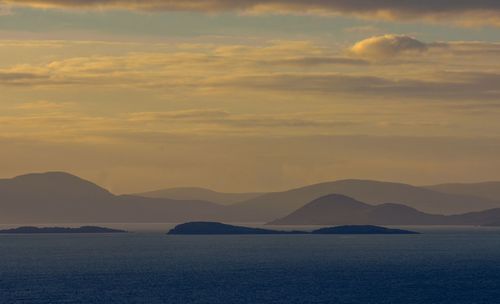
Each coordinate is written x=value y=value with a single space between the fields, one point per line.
x=59 y=230
x=215 y=228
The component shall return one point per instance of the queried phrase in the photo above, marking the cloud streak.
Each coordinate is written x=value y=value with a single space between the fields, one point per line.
x=450 y=86
x=473 y=12
x=442 y=70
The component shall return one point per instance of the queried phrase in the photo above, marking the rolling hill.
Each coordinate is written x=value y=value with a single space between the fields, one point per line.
x=275 y=205
x=61 y=197
x=486 y=190
x=57 y=197
x=195 y=193
x=338 y=209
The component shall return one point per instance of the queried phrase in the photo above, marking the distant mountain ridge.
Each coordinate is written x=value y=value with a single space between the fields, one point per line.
x=197 y=193
x=56 y=197
x=274 y=205
x=487 y=190
x=336 y=209
x=59 y=197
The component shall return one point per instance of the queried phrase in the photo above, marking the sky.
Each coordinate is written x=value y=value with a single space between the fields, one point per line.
x=250 y=95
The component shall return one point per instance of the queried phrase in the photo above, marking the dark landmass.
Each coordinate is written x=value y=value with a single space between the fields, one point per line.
x=200 y=194
x=361 y=229
x=336 y=209
x=38 y=230
x=202 y=228
x=214 y=228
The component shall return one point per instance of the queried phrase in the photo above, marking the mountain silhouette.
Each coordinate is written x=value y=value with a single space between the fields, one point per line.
x=486 y=190
x=58 y=197
x=196 y=193
x=61 y=197
x=336 y=209
x=277 y=204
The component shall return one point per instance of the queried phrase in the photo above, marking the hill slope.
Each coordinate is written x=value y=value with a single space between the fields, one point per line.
x=338 y=209
x=274 y=205
x=57 y=197
x=61 y=197
x=486 y=190
x=194 y=193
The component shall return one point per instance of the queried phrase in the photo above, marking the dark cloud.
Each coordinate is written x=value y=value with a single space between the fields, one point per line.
x=223 y=118
x=450 y=85
x=21 y=78
x=323 y=60
x=483 y=11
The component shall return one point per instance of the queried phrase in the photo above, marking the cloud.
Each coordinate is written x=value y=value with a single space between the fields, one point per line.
x=465 y=11
x=43 y=105
x=5 y=10
x=21 y=78
x=181 y=115
x=236 y=121
x=447 y=85
x=318 y=60
x=362 y=29
x=467 y=48
x=387 y=46
x=443 y=70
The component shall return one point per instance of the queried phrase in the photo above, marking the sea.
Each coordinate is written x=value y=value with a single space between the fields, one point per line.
x=442 y=265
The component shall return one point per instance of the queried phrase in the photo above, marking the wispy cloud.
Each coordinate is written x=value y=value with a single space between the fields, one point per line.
x=5 y=9
x=458 y=85
x=464 y=11
x=43 y=105
x=395 y=66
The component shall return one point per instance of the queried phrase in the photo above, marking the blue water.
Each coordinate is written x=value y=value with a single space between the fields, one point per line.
x=440 y=266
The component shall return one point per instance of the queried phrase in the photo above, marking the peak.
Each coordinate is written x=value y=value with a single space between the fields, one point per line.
x=198 y=189
x=56 y=181
x=354 y=183
x=335 y=201
x=48 y=175
x=370 y=182
x=335 y=198
x=393 y=205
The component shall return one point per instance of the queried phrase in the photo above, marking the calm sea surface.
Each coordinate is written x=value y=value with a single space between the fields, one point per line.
x=443 y=265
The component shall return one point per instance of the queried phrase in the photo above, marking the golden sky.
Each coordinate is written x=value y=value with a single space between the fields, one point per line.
x=250 y=95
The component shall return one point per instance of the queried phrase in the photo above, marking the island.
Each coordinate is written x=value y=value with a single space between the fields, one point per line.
x=220 y=228
x=361 y=229
x=59 y=230
x=215 y=228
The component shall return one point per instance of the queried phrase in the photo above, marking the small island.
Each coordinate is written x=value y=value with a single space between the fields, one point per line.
x=215 y=228
x=201 y=228
x=59 y=230
x=361 y=229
